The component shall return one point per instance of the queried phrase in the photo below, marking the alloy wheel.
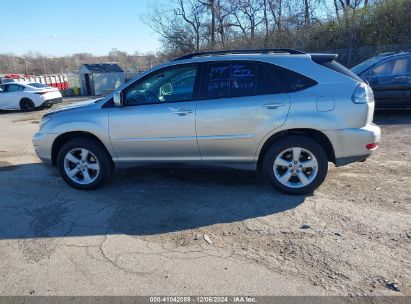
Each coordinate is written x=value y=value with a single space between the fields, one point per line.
x=81 y=166
x=295 y=167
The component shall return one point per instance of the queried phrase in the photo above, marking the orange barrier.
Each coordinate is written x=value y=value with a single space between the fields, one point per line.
x=59 y=81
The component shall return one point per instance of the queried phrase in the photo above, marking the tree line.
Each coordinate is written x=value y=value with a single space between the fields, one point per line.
x=311 y=25
x=187 y=26
x=35 y=63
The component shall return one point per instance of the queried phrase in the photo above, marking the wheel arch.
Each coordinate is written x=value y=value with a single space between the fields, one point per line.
x=65 y=137
x=28 y=99
x=316 y=135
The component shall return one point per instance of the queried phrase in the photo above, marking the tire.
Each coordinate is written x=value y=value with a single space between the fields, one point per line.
x=84 y=170
x=27 y=105
x=293 y=174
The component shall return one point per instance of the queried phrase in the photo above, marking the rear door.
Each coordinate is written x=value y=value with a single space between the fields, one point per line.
x=241 y=102
x=391 y=82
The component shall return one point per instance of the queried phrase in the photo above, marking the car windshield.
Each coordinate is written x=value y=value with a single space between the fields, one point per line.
x=365 y=65
x=37 y=85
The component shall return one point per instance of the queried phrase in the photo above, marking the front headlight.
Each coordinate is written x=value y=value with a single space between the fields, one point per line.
x=43 y=122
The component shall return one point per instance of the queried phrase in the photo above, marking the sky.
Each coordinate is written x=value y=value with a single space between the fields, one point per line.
x=64 y=27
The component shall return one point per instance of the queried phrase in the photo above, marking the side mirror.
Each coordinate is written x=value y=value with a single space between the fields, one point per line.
x=118 y=98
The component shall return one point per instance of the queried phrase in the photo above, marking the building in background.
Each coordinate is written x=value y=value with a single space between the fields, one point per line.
x=100 y=79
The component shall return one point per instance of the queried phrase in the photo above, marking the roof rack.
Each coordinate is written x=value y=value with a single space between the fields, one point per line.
x=228 y=52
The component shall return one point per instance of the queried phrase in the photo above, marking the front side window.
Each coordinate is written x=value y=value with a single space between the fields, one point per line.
x=399 y=66
x=14 y=88
x=383 y=69
x=361 y=67
x=170 y=85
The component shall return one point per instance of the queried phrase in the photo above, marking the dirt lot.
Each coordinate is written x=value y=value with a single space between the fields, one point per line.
x=144 y=233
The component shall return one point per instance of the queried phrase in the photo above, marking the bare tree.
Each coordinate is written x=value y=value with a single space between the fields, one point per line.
x=248 y=15
x=223 y=13
x=192 y=15
x=211 y=5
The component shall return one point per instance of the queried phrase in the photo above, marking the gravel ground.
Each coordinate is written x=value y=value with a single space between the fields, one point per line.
x=191 y=232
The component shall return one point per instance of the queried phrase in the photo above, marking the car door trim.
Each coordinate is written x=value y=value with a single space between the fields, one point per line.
x=220 y=137
x=151 y=139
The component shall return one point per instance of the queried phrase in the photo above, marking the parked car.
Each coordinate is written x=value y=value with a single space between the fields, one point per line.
x=389 y=75
x=6 y=80
x=281 y=111
x=27 y=96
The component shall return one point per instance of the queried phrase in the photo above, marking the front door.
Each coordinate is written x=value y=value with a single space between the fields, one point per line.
x=10 y=96
x=157 y=121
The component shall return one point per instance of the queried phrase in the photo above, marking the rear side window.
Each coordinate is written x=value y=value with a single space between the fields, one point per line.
x=37 y=85
x=225 y=79
x=292 y=80
x=236 y=79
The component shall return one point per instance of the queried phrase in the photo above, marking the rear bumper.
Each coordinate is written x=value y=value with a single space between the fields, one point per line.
x=49 y=102
x=350 y=145
x=350 y=159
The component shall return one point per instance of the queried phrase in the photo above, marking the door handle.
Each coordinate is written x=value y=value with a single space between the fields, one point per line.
x=183 y=112
x=272 y=105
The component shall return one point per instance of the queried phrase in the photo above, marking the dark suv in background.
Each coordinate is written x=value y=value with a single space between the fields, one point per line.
x=389 y=75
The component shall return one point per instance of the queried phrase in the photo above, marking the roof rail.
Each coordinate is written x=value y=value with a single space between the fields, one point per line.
x=228 y=52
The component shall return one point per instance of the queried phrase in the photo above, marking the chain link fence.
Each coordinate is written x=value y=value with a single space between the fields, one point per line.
x=353 y=56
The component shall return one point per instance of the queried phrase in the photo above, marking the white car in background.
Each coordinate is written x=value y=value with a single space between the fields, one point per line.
x=27 y=96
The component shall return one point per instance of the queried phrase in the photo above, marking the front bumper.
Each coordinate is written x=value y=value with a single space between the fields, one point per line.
x=350 y=144
x=43 y=143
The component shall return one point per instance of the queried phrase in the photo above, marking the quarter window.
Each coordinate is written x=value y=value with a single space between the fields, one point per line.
x=294 y=81
x=398 y=66
x=170 y=85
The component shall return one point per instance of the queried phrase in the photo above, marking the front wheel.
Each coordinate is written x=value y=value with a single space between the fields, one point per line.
x=84 y=164
x=295 y=165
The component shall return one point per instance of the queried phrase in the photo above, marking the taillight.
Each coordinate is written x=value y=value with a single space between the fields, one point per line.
x=41 y=93
x=363 y=94
x=372 y=146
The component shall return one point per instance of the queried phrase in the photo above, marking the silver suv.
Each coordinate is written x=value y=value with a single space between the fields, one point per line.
x=281 y=111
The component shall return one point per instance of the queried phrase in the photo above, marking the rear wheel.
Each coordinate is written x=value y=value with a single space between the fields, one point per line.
x=84 y=164
x=296 y=165
x=27 y=105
